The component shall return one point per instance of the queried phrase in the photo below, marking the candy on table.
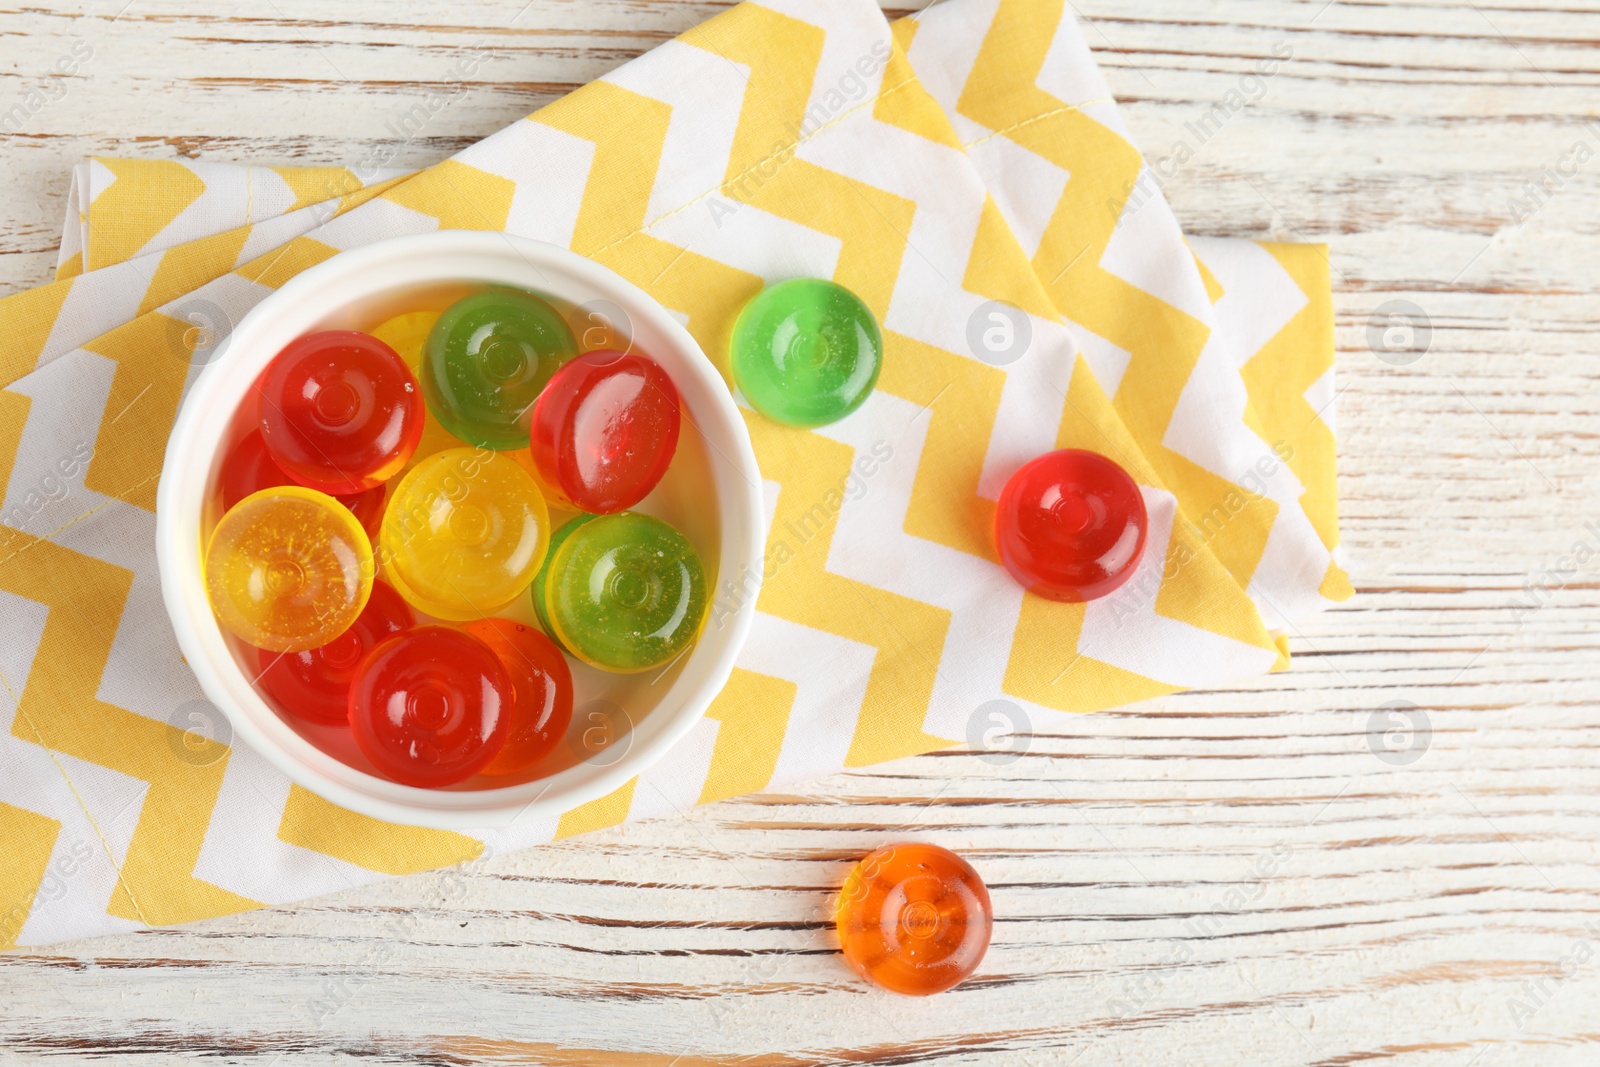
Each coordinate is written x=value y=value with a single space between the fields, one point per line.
x=288 y=569
x=314 y=684
x=250 y=468
x=537 y=590
x=541 y=687
x=625 y=593
x=604 y=430
x=340 y=411
x=913 y=919
x=407 y=334
x=465 y=533
x=486 y=361
x=1071 y=525
x=806 y=352
x=431 y=706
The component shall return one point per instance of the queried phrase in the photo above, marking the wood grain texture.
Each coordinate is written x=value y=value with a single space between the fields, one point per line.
x=1227 y=877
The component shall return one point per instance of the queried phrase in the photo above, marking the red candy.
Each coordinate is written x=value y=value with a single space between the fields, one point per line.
x=1071 y=526
x=604 y=430
x=541 y=684
x=315 y=685
x=250 y=468
x=431 y=707
x=340 y=411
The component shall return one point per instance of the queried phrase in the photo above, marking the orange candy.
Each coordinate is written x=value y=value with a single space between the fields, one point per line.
x=914 y=919
x=541 y=686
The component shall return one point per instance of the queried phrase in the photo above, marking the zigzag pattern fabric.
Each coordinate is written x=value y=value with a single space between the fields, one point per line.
x=950 y=168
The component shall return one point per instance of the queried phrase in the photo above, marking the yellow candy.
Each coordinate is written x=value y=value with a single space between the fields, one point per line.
x=406 y=334
x=465 y=534
x=288 y=569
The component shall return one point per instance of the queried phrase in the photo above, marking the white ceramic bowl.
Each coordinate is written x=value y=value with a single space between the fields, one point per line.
x=711 y=492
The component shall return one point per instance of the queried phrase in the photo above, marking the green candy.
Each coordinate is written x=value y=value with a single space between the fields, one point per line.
x=486 y=361
x=624 y=592
x=806 y=352
x=536 y=590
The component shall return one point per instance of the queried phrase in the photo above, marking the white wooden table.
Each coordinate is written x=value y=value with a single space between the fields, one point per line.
x=1226 y=877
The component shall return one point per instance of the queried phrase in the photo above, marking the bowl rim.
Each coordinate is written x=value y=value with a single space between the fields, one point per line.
x=199 y=636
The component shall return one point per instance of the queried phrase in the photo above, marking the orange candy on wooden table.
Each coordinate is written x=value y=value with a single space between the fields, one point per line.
x=913 y=919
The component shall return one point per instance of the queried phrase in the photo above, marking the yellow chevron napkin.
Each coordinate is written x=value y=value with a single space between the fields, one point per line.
x=156 y=206
x=965 y=172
